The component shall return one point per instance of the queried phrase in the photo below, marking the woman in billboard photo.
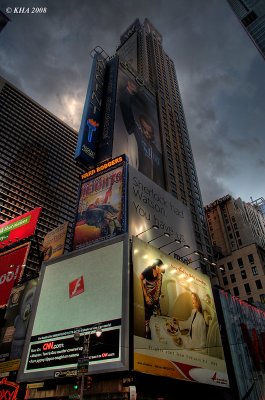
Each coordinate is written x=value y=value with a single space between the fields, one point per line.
x=139 y=123
x=151 y=282
x=195 y=326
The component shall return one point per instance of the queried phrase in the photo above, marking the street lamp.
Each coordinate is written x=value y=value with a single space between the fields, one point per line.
x=84 y=361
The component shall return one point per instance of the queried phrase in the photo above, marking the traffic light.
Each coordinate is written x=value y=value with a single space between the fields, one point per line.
x=76 y=384
x=88 y=382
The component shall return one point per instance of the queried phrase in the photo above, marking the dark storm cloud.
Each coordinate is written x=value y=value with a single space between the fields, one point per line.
x=220 y=73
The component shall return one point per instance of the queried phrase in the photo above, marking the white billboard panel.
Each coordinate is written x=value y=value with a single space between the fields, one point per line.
x=75 y=296
x=151 y=205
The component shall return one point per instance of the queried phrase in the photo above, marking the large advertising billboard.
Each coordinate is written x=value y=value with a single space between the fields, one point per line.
x=149 y=206
x=176 y=331
x=136 y=130
x=17 y=317
x=12 y=265
x=88 y=138
x=102 y=207
x=75 y=293
x=54 y=242
x=19 y=228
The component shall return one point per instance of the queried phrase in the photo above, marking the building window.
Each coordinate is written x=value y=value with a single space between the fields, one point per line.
x=258 y=284
x=250 y=300
x=225 y=280
x=262 y=298
x=251 y=258
x=240 y=262
x=243 y=274
x=247 y=288
x=230 y=266
x=233 y=278
x=254 y=270
x=236 y=291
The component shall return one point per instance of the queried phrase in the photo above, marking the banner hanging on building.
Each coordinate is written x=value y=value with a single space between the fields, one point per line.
x=12 y=266
x=136 y=129
x=176 y=331
x=54 y=242
x=19 y=228
x=88 y=138
x=101 y=210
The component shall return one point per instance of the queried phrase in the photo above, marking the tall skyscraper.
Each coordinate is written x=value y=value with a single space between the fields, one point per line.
x=36 y=164
x=143 y=117
x=141 y=47
x=237 y=231
x=251 y=14
x=3 y=20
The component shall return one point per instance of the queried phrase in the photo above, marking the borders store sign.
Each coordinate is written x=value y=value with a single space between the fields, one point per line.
x=19 y=228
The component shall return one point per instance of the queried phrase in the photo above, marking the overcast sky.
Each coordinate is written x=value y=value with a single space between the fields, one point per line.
x=220 y=72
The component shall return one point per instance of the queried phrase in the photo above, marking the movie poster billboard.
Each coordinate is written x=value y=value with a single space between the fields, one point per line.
x=136 y=129
x=19 y=228
x=54 y=242
x=101 y=209
x=74 y=296
x=17 y=317
x=176 y=331
x=88 y=137
x=12 y=264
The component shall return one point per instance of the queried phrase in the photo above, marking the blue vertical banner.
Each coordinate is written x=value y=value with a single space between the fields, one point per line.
x=86 y=149
x=107 y=129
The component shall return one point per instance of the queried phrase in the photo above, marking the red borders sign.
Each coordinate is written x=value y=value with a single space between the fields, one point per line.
x=19 y=228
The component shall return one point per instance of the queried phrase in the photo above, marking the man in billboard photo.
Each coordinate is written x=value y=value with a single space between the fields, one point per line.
x=138 y=120
x=151 y=282
x=195 y=326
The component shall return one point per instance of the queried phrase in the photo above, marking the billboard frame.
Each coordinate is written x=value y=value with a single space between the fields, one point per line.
x=115 y=366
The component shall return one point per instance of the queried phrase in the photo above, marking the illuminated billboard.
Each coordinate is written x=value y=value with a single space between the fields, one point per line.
x=54 y=242
x=75 y=293
x=12 y=264
x=101 y=209
x=136 y=129
x=150 y=205
x=19 y=228
x=176 y=331
x=88 y=138
x=17 y=317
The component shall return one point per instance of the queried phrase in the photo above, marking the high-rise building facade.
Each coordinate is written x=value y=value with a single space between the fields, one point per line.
x=251 y=14
x=237 y=232
x=36 y=164
x=3 y=20
x=142 y=50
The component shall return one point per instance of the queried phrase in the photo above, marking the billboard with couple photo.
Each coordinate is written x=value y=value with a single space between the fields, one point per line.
x=176 y=331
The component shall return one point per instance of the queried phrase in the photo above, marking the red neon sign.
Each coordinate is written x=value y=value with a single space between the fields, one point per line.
x=8 y=390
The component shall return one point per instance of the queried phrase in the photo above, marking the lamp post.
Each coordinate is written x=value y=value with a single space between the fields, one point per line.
x=84 y=362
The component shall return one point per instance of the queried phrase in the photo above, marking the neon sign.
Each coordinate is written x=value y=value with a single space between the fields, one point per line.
x=8 y=390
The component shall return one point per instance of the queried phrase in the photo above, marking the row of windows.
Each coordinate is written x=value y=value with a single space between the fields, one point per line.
x=243 y=274
x=240 y=263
